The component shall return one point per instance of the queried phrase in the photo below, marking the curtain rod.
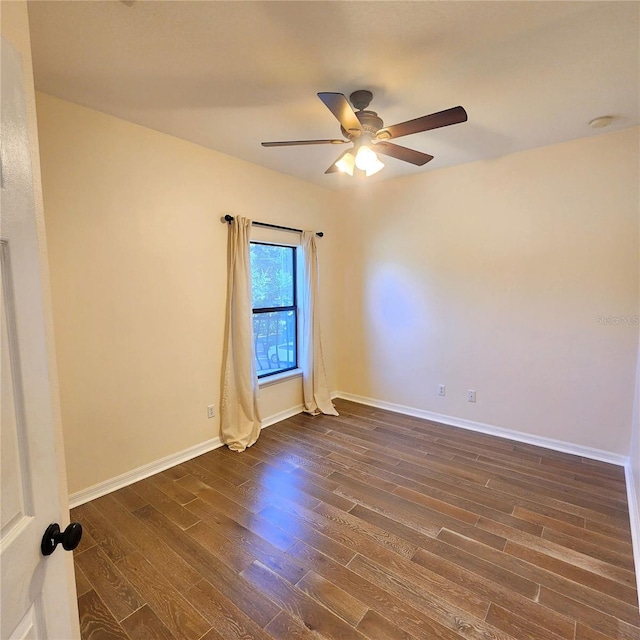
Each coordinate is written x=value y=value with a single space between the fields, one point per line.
x=229 y=219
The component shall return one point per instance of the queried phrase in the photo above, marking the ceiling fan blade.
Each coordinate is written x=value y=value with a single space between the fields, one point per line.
x=402 y=153
x=455 y=115
x=341 y=109
x=296 y=143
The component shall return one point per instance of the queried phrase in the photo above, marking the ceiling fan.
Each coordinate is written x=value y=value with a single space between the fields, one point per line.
x=369 y=136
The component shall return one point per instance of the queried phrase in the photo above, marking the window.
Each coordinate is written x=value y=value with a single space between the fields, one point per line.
x=273 y=292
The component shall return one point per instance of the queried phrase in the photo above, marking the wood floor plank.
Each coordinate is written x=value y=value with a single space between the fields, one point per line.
x=144 y=624
x=284 y=627
x=369 y=524
x=163 y=503
x=304 y=531
x=455 y=620
x=155 y=551
x=620 y=531
x=82 y=582
x=426 y=580
x=426 y=520
x=373 y=625
x=613 y=517
x=229 y=620
x=516 y=625
x=599 y=551
x=361 y=473
x=403 y=615
x=350 y=609
x=96 y=621
x=219 y=546
x=469 y=515
x=256 y=606
x=236 y=473
x=167 y=603
x=534 y=472
x=114 y=589
x=129 y=498
x=595 y=467
x=566 y=579
x=252 y=544
x=175 y=473
x=283 y=482
x=498 y=591
x=360 y=533
x=233 y=457
x=587 y=633
x=599 y=481
x=273 y=534
x=258 y=494
x=550 y=549
x=110 y=539
x=321 y=481
x=166 y=484
x=298 y=456
x=579 y=533
x=593 y=618
x=263 y=456
x=616 y=509
x=313 y=614
x=310 y=449
x=478 y=565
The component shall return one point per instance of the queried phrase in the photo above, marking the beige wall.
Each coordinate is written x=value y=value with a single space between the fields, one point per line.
x=138 y=269
x=493 y=276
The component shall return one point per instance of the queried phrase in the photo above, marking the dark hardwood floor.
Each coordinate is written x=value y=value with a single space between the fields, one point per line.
x=369 y=525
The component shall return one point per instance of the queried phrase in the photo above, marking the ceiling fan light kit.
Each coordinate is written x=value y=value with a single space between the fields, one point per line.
x=366 y=130
x=346 y=163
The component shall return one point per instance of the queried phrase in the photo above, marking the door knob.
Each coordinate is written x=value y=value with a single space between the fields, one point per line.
x=70 y=538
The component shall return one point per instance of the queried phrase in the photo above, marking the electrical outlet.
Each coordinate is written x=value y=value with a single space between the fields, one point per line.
x=211 y=411
x=441 y=389
x=471 y=395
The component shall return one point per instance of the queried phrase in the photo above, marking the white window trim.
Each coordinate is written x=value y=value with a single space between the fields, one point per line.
x=279 y=377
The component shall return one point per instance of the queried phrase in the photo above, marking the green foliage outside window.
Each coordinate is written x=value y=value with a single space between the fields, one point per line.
x=274 y=300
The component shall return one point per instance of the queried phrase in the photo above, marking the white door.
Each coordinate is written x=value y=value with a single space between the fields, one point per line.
x=35 y=599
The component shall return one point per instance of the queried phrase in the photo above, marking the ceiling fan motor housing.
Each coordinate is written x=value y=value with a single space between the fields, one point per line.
x=370 y=122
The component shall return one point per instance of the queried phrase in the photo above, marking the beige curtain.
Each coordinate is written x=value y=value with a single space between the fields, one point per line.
x=240 y=418
x=315 y=390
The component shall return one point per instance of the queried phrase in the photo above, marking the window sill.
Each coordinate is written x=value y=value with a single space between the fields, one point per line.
x=279 y=377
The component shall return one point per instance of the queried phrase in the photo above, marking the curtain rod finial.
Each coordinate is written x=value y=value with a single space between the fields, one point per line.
x=228 y=219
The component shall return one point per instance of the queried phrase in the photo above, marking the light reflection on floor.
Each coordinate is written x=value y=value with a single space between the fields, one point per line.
x=279 y=485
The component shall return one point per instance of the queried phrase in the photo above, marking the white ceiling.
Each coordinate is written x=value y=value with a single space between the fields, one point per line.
x=228 y=75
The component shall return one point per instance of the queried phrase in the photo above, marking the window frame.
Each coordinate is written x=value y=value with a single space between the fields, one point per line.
x=293 y=307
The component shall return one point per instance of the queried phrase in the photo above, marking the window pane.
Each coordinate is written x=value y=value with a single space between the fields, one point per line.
x=275 y=339
x=271 y=275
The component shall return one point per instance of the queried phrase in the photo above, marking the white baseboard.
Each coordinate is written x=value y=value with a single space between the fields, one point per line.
x=547 y=443
x=283 y=415
x=125 y=479
x=634 y=519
